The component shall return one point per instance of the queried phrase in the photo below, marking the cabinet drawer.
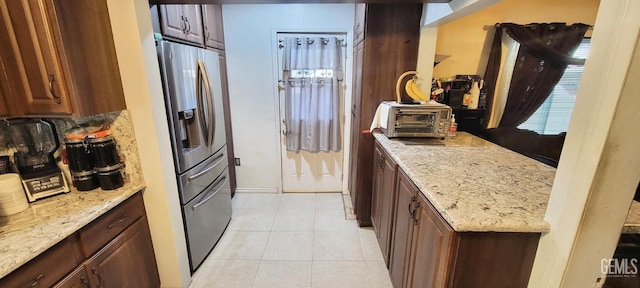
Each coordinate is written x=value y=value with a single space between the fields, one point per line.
x=105 y=228
x=76 y=279
x=46 y=269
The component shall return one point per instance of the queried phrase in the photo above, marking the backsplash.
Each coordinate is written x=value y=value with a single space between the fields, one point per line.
x=122 y=131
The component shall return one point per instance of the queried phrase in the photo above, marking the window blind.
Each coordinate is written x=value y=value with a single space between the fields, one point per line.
x=553 y=115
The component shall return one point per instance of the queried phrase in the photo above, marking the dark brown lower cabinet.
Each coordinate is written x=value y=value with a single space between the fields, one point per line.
x=427 y=252
x=431 y=245
x=402 y=230
x=125 y=259
x=384 y=177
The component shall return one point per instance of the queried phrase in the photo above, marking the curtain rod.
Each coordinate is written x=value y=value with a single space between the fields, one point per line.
x=497 y=25
x=310 y=41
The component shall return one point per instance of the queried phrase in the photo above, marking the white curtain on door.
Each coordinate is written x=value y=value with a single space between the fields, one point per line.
x=312 y=69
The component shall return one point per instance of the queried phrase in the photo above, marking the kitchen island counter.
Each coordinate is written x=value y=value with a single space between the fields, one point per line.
x=25 y=235
x=476 y=186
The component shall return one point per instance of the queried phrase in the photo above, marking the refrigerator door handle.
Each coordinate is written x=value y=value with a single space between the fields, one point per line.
x=212 y=110
x=217 y=159
x=202 y=115
x=210 y=116
x=219 y=182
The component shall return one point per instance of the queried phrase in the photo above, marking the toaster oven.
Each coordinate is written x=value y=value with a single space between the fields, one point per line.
x=412 y=120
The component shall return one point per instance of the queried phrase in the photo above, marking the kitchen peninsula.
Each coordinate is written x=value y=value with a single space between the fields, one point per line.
x=460 y=212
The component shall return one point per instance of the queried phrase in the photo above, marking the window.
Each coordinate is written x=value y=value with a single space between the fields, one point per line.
x=553 y=115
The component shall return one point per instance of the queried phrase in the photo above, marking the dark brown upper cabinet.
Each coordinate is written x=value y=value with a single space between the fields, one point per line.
x=182 y=22
x=212 y=26
x=59 y=59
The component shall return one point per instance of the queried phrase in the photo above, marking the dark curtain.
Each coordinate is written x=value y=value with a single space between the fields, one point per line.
x=491 y=73
x=541 y=61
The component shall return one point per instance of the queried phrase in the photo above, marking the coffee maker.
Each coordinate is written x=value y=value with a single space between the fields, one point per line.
x=35 y=142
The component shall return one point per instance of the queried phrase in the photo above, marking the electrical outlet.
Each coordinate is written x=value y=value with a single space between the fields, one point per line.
x=237 y=160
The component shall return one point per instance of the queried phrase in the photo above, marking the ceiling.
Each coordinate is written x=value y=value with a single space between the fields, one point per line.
x=289 y=1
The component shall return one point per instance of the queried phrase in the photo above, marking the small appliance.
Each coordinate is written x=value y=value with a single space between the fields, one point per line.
x=36 y=141
x=410 y=120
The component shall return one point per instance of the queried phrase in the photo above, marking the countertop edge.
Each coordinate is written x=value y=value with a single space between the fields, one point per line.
x=64 y=225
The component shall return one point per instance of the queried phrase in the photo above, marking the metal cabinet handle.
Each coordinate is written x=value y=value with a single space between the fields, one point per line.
x=188 y=25
x=56 y=98
x=414 y=214
x=184 y=24
x=207 y=34
x=37 y=280
x=84 y=281
x=117 y=222
x=413 y=199
x=95 y=272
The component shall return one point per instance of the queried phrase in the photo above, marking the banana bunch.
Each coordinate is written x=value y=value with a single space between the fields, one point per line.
x=410 y=87
x=414 y=92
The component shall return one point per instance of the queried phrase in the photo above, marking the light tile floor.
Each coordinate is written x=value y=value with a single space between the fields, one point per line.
x=293 y=240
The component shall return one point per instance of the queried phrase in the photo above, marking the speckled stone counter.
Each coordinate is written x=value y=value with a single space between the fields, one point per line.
x=25 y=235
x=476 y=185
x=632 y=224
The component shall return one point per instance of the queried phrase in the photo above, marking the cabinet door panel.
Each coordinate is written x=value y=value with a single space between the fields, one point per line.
x=378 y=171
x=172 y=21
x=431 y=244
x=358 y=55
x=194 y=23
x=213 y=29
x=387 y=197
x=359 y=25
x=4 y=89
x=127 y=261
x=402 y=231
x=41 y=72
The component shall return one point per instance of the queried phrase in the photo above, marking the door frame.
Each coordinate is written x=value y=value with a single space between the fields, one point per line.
x=347 y=82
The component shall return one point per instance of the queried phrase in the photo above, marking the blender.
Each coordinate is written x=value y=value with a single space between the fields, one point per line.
x=35 y=142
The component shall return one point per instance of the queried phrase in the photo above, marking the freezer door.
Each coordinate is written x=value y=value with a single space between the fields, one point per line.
x=179 y=69
x=200 y=177
x=206 y=217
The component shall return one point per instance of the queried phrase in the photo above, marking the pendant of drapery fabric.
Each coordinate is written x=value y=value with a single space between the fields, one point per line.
x=312 y=68
x=545 y=51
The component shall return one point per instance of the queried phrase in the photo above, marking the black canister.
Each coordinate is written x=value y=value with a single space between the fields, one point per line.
x=111 y=179
x=85 y=181
x=104 y=152
x=79 y=155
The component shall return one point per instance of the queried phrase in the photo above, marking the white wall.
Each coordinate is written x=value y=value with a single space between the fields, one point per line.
x=135 y=49
x=249 y=42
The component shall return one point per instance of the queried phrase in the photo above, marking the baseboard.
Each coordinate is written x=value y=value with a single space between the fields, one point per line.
x=257 y=190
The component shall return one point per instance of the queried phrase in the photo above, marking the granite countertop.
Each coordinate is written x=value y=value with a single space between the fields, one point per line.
x=632 y=224
x=477 y=186
x=46 y=222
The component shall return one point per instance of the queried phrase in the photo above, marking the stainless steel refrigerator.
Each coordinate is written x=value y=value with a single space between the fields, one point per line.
x=193 y=98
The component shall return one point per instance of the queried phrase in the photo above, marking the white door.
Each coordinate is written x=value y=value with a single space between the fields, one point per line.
x=305 y=171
